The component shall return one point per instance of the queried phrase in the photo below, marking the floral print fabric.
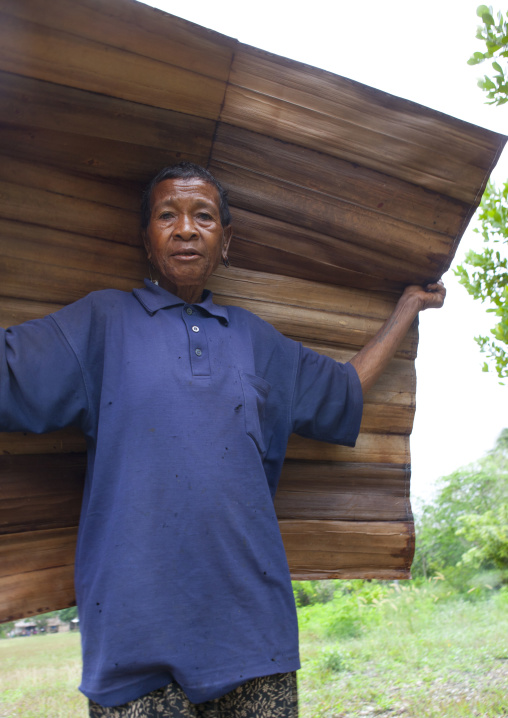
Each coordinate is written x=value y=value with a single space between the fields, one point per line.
x=273 y=696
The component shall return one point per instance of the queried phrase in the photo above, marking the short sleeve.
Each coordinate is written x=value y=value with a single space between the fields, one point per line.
x=328 y=400
x=41 y=382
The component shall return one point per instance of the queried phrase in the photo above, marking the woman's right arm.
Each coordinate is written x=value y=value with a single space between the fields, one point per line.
x=41 y=382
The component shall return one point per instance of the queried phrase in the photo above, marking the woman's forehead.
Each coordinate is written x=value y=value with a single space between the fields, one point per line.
x=194 y=189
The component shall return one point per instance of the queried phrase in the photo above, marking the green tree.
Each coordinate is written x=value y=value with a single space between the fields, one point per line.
x=484 y=274
x=488 y=533
x=444 y=536
x=494 y=33
x=67 y=614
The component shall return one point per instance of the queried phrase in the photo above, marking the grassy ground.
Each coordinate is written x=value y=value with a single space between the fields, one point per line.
x=417 y=653
x=39 y=676
x=411 y=651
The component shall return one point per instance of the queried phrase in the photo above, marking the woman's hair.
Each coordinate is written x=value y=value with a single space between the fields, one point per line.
x=184 y=170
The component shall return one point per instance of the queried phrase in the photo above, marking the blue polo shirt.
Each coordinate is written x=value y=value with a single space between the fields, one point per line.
x=180 y=568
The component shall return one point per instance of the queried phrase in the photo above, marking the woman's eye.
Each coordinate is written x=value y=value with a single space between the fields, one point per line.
x=165 y=215
x=205 y=216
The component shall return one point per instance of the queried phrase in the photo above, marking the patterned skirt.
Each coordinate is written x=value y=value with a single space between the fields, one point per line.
x=273 y=696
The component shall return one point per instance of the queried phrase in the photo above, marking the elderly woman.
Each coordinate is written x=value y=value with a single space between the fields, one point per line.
x=183 y=588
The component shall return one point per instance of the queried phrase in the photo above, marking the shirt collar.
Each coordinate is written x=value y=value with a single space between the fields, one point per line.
x=152 y=298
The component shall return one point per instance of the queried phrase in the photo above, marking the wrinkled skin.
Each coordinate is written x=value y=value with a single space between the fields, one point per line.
x=185 y=239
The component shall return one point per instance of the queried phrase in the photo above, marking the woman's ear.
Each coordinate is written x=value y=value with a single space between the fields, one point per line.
x=227 y=234
x=146 y=244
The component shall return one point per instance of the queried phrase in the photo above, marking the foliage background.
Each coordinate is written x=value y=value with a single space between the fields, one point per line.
x=484 y=273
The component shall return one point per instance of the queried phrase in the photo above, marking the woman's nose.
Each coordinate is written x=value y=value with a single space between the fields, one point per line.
x=185 y=228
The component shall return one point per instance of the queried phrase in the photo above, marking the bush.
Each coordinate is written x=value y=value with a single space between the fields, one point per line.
x=354 y=605
x=332 y=660
x=309 y=592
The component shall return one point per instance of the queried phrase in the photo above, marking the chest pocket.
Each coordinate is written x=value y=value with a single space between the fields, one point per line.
x=255 y=392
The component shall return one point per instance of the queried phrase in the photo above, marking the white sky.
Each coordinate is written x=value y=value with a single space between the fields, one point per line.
x=417 y=50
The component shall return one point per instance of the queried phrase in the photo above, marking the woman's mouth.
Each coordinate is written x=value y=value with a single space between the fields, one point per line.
x=186 y=255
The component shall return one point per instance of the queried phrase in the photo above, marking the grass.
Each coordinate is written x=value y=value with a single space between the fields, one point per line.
x=39 y=677
x=373 y=650
x=417 y=653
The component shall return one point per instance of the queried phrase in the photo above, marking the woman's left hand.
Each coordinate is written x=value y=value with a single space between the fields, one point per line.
x=431 y=296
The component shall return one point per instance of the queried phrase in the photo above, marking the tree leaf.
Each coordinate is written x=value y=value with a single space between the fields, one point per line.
x=482 y=10
x=476 y=58
x=487 y=84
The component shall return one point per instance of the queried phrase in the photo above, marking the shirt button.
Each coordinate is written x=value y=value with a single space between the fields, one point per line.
x=195 y=329
x=198 y=352
x=188 y=310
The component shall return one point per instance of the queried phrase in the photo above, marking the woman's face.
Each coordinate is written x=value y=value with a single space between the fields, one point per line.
x=185 y=238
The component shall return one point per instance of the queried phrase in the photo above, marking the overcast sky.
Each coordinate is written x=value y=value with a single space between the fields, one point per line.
x=419 y=51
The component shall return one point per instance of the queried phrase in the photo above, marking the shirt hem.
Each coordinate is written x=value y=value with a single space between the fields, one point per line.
x=195 y=693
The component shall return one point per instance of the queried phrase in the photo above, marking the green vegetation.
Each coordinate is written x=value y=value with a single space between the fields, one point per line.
x=484 y=274
x=420 y=650
x=464 y=527
x=494 y=33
